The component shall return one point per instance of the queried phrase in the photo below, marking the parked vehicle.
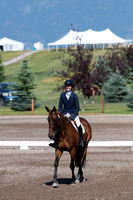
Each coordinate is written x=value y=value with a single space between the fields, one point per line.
x=7 y=92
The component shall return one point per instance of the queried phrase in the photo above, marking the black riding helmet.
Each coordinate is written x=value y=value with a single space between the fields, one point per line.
x=69 y=83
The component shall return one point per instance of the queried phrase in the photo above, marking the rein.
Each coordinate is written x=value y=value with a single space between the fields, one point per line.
x=57 y=130
x=64 y=126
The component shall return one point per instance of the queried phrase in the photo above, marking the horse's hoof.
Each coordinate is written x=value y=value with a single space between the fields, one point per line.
x=55 y=185
x=77 y=181
x=83 y=180
x=73 y=183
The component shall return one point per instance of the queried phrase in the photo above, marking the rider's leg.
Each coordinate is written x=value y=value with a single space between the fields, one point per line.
x=77 y=120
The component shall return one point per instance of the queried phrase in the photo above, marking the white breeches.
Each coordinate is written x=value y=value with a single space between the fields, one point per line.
x=77 y=120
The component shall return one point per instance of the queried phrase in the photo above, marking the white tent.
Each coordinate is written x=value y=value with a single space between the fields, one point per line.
x=89 y=37
x=38 y=46
x=68 y=39
x=101 y=37
x=11 y=45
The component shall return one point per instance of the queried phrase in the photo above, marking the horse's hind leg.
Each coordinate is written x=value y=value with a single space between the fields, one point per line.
x=56 y=162
x=72 y=164
x=80 y=177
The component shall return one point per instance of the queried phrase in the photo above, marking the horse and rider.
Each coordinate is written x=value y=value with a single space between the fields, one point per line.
x=66 y=136
x=69 y=107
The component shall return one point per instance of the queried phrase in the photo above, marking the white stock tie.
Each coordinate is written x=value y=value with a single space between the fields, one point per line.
x=68 y=94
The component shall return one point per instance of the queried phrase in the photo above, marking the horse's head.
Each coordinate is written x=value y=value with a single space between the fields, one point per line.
x=54 y=122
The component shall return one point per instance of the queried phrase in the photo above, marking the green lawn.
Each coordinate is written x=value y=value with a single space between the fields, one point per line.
x=42 y=64
x=8 y=55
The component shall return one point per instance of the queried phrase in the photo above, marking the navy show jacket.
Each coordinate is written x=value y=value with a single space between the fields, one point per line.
x=70 y=106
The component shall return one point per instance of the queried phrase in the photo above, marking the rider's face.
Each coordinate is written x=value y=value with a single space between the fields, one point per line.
x=68 y=88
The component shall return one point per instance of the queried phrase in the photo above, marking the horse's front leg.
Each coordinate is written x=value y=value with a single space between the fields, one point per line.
x=72 y=164
x=58 y=154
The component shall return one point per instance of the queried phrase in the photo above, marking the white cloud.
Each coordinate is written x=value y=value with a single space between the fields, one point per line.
x=52 y=17
x=26 y=9
x=45 y=3
x=7 y=23
x=38 y=5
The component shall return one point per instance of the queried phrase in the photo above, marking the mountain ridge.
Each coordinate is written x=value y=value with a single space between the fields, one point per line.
x=46 y=21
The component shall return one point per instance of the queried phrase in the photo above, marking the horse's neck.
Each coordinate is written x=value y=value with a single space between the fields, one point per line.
x=63 y=120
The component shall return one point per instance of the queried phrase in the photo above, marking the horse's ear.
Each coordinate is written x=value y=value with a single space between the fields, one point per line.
x=59 y=113
x=47 y=109
x=54 y=109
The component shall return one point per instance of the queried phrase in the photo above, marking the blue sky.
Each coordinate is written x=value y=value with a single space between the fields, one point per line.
x=31 y=21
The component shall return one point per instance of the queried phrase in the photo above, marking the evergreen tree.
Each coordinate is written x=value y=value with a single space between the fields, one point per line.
x=2 y=77
x=130 y=98
x=114 y=89
x=25 y=89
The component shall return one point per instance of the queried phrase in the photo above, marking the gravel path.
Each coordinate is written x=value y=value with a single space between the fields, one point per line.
x=24 y=55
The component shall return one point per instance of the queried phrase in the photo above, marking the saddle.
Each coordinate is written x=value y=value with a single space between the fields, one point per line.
x=74 y=123
x=75 y=126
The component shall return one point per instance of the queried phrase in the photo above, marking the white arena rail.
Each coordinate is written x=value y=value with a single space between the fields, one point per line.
x=27 y=144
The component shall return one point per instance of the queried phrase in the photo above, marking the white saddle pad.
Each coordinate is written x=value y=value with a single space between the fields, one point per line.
x=83 y=130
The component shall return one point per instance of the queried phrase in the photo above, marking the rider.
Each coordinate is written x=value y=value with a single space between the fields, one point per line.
x=69 y=107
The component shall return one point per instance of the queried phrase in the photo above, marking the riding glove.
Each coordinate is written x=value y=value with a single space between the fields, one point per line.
x=71 y=117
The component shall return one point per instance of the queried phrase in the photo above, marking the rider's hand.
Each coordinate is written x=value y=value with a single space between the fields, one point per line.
x=71 y=117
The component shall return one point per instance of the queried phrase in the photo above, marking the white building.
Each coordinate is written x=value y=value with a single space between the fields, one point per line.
x=7 y=44
x=38 y=46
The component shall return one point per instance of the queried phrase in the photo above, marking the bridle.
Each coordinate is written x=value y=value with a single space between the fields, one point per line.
x=55 y=128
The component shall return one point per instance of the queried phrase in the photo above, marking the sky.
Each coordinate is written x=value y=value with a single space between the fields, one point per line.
x=30 y=21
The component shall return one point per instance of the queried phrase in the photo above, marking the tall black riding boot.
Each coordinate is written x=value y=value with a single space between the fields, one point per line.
x=81 y=143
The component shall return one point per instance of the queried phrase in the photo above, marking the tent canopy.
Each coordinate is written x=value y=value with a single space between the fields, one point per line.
x=11 y=45
x=89 y=37
x=69 y=38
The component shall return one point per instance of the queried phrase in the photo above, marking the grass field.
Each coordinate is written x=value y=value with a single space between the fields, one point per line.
x=8 y=55
x=42 y=64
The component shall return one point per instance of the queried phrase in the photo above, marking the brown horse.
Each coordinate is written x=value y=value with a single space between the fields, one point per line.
x=66 y=138
x=91 y=91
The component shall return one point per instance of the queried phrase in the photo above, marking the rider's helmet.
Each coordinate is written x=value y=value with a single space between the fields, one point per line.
x=69 y=83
